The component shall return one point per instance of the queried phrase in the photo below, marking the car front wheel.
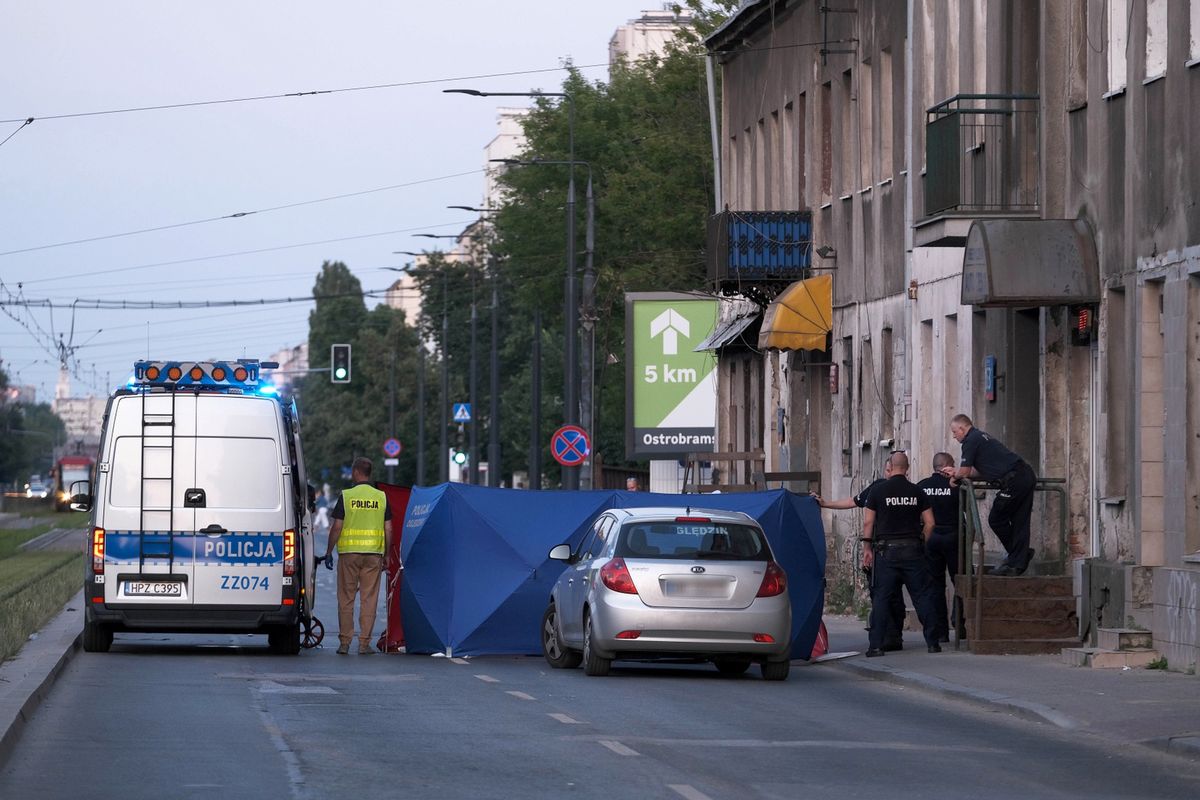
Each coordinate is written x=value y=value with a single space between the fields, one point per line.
x=558 y=655
x=592 y=663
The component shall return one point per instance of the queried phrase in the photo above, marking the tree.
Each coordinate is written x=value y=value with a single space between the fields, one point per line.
x=28 y=435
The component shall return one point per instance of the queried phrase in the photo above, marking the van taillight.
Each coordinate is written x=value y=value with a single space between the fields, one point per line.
x=774 y=581
x=98 y=551
x=289 y=552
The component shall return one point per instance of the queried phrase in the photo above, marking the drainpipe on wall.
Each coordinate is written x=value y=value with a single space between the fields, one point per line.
x=718 y=202
x=907 y=436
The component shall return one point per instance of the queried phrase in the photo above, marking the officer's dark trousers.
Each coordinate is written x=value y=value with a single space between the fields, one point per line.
x=1011 y=510
x=896 y=564
x=941 y=553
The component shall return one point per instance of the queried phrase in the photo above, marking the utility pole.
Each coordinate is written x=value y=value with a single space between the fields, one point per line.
x=494 y=414
x=473 y=467
x=420 y=413
x=535 y=436
x=570 y=475
x=587 y=393
x=445 y=442
x=391 y=470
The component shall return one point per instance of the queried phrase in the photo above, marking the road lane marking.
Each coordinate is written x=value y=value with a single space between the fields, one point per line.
x=619 y=748
x=690 y=792
x=487 y=679
x=459 y=661
x=565 y=720
x=520 y=695
x=817 y=744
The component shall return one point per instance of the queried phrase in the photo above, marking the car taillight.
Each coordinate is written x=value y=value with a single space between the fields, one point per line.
x=764 y=638
x=289 y=552
x=98 y=551
x=615 y=575
x=693 y=519
x=774 y=581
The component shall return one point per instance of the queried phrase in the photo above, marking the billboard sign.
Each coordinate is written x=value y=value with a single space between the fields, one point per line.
x=671 y=390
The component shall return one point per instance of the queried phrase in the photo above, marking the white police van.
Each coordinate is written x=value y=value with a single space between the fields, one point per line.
x=200 y=509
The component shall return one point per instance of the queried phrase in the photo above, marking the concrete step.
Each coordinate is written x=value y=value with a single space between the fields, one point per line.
x=1102 y=658
x=1051 y=628
x=1022 y=646
x=1021 y=586
x=1033 y=608
x=1124 y=639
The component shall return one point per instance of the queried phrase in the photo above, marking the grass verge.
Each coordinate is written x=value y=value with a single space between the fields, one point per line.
x=35 y=587
x=11 y=540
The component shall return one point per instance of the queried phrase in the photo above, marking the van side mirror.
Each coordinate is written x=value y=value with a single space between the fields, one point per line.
x=81 y=496
x=560 y=552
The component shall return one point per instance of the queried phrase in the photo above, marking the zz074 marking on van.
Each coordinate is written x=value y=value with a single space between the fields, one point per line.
x=245 y=582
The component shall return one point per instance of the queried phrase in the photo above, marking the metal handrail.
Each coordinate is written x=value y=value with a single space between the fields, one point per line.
x=970 y=533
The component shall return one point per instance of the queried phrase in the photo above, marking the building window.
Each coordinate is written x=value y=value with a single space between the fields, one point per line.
x=886 y=87
x=846 y=134
x=866 y=144
x=1115 y=41
x=800 y=125
x=826 y=141
x=1156 y=38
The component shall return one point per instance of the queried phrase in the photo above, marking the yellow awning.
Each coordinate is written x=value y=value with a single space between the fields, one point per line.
x=800 y=317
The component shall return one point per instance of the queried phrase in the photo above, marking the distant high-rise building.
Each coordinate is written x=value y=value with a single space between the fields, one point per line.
x=650 y=33
x=293 y=363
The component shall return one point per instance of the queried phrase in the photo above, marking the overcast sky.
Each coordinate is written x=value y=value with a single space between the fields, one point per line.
x=93 y=176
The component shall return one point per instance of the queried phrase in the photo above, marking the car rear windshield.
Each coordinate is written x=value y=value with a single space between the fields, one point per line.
x=692 y=540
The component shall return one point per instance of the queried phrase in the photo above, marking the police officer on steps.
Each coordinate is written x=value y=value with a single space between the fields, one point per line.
x=983 y=456
x=897 y=521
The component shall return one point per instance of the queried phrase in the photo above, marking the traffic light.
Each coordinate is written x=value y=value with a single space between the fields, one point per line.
x=339 y=362
x=459 y=457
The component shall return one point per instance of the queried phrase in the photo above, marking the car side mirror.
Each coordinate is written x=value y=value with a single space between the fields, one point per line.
x=81 y=496
x=560 y=552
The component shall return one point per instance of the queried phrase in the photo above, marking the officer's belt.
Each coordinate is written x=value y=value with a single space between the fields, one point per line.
x=906 y=540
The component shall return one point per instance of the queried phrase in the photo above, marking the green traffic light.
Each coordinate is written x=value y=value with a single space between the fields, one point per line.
x=340 y=373
x=460 y=457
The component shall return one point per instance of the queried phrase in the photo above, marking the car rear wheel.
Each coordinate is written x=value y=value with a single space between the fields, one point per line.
x=97 y=638
x=776 y=670
x=284 y=640
x=732 y=666
x=592 y=663
x=558 y=655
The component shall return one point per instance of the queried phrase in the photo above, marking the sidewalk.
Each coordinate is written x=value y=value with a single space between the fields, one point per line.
x=1147 y=707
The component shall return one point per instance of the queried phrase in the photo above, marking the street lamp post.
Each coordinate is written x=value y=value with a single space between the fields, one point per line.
x=587 y=377
x=570 y=369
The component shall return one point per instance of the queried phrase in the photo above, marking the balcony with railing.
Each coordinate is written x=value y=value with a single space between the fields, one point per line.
x=982 y=159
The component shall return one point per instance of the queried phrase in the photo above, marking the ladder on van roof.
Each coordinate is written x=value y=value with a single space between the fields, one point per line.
x=157 y=444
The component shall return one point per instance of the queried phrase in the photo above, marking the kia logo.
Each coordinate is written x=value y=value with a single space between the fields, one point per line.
x=697 y=570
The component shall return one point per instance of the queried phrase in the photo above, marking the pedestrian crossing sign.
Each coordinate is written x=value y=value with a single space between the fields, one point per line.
x=462 y=412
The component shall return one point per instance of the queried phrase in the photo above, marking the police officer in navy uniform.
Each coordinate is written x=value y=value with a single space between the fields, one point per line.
x=941 y=551
x=897 y=522
x=983 y=456
x=894 y=639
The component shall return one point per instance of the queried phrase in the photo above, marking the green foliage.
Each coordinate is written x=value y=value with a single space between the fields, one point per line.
x=1158 y=663
x=34 y=588
x=343 y=421
x=28 y=434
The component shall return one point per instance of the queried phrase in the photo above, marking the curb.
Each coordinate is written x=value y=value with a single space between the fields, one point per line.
x=25 y=681
x=993 y=701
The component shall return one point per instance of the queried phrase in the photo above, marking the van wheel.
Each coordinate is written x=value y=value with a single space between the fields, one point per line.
x=97 y=638
x=558 y=655
x=776 y=670
x=592 y=663
x=284 y=640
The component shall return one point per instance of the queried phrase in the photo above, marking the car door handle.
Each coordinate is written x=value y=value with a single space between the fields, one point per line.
x=213 y=530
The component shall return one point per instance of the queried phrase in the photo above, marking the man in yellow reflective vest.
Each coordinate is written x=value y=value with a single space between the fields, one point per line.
x=362 y=533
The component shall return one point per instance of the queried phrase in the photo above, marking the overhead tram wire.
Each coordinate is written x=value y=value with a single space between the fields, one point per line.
x=566 y=67
x=24 y=124
x=97 y=304
x=239 y=214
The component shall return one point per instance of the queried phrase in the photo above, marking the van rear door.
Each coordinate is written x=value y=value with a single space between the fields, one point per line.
x=240 y=524
x=148 y=521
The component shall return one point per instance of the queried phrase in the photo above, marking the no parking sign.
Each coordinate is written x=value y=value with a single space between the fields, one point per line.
x=570 y=446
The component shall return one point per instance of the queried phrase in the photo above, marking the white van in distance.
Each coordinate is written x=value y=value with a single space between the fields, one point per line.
x=200 y=509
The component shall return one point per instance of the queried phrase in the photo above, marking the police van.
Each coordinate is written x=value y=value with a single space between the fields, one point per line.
x=200 y=508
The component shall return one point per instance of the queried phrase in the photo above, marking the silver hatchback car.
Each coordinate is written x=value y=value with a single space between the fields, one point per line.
x=650 y=583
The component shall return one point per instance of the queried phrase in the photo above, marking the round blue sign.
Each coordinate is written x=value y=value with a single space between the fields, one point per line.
x=392 y=448
x=570 y=446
